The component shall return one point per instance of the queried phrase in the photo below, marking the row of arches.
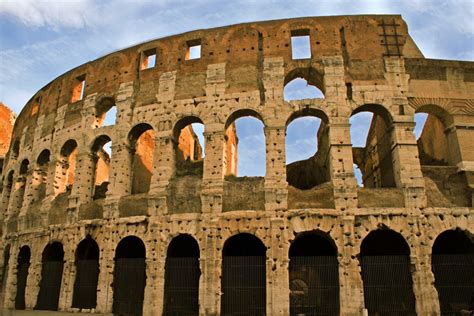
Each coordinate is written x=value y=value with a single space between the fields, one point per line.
x=313 y=275
x=244 y=152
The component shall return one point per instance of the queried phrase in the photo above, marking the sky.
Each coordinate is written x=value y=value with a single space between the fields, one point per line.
x=41 y=39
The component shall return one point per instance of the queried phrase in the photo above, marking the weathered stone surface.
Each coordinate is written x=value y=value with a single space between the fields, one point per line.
x=58 y=186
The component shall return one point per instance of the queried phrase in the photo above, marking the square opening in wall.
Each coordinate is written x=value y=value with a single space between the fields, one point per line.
x=78 y=89
x=193 y=50
x=148 y=59
x=300 y=44
x=36 y=105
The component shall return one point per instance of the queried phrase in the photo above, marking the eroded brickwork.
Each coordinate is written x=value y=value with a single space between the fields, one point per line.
x=157 y=195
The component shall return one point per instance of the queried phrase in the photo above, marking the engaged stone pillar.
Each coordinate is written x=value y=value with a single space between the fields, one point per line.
x=34 y=279
x=341 y=164
x=277 y=275
x=209 y=283
x=106 y=275
x=426 y=296
x=212 y=182
x=351 y=293
x=407 y=167
x=83 y=187
x=29 y=191
x=67 y=281
x=11 y=278
x=276 y=192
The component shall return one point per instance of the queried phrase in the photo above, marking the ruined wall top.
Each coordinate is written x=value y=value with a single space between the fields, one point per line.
x=7 y=118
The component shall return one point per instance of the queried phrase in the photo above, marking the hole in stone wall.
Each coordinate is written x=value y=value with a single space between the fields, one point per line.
x=193 y=50
x=189 y=146
x=66 y=168
x=102 y=150
x=371 y=146
x=142 y=142
x=245 y=149
x=300 y=44
x=148 y=59
x=40 y=176
x=106 y=113
x=78 y=89
x=431 y=139
x=307 y=149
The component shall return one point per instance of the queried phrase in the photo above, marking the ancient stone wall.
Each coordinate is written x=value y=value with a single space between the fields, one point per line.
x=361 y=63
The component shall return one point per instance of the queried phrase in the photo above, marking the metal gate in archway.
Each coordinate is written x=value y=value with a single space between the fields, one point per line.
x=129 y=286
x=50 y=286
x=314 y=286
x=243 y=286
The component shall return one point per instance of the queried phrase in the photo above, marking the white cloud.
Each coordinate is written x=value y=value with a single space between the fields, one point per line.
x=51 y=13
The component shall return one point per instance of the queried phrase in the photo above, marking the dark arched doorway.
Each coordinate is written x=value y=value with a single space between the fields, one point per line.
x=51 y=276
x=314 y=276
x=182 y=277
x=129 y=276
x=22 y=276
x=87 y=274
x=385 y=266
x=243 y=280
x=453 y=267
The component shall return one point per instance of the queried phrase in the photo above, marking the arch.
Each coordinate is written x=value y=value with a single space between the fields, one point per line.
x=142 y=143
x=182 y=274
x=44 y=157
x=311 y=75
x=24 y=167
x=66 y=168
x=372 y=145
x=243 y=282
x=40 y=177
x=385 y=269
x=105 y=112
x=453 y=265
x=311 y=169
x=15 y=148
x=87 y=274
x=313 y=275
x=435 y=146
x=189 y=145
x=51 y=277
x=23 y=264
x=4 y=276
x=129 y=276
x=101 y=152
x=245 y=146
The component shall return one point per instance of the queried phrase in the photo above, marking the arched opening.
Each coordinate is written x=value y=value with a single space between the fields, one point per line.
x=64 y=177
x=385 y=268
x=303 y=83
x=23 y=265
x=8 y=190
x=51 y=276
x=244 y=145
x=106 y=112
x=21 y=185
x=307 y=149
x=453 y=267
x=188 y=136
x=129 y=276
x=182 y=274
x=243 y=282
x=371 y=137
x=15 y=149
x=142 y=147
x=40 y=176
x=101 y=151
x=314 y=275
x=87 y=274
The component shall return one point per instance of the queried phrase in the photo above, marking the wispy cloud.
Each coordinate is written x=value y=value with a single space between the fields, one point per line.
x=55 y=14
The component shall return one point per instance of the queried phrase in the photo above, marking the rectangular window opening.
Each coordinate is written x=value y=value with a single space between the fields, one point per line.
x=193 y=50
x=78 y=90
x=36 y=105
x=300 y=44
x=148 y=59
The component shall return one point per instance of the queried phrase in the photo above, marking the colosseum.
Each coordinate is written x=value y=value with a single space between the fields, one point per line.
x=135 y=216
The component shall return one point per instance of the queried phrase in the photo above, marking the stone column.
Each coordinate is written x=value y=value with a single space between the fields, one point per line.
x=341 y=164
x=34 y=278
x=67 y=281
x=83 y=187
x=212 y=182
x=52 y=185
x=351 y=293
x=278 y=289
x=211 y=270
x=154 y=289
x=276 y=191
x=106 y=274
x=426 y=296
x=29 y=191
x=11 y=277
x=407 y=167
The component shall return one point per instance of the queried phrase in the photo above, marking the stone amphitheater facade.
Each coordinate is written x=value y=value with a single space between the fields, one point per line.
x=153 y=229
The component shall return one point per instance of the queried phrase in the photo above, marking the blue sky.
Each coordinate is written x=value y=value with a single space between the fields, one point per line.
x=41 y=39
